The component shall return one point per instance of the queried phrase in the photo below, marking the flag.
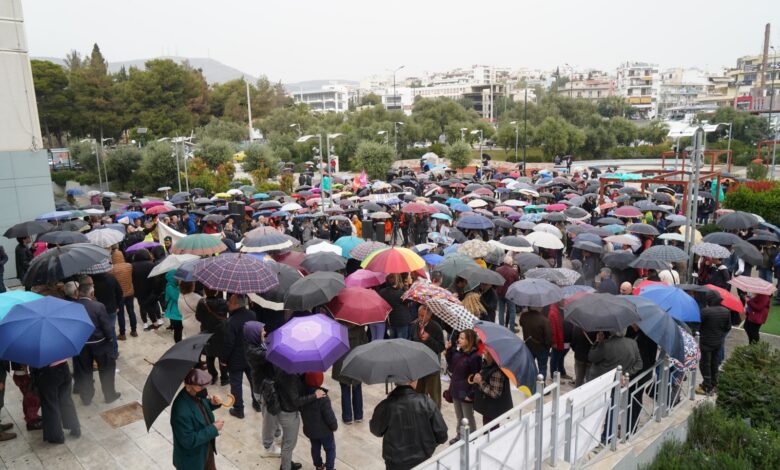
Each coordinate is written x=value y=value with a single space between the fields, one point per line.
x=165 y=231
x=363 y=178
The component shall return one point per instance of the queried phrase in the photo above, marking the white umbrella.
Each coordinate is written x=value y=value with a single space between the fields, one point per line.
x=529 y=192
x=548 y=228
x=678 y=237
x=290 y=207
x=93 y=211
x=477 y=203
x=171 y=262
x=544 y=240
x=629 y=240
x=93 y=193
x=105 y=238
x=109 y=194
x=235 y=192
x=323 y=247
x=380 y=215
x=164 y=188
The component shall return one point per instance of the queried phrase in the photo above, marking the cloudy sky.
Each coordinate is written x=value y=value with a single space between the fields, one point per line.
x=293 y=40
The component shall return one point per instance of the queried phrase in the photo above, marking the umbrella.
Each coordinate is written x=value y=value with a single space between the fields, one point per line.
x=323 y=261
x=235 y=273
x=365 y=278
x=390 y=360
x=361 y=251
x=559 y=276
x=587 y=246
x=422 y=291
x=764 y=236
x=313 y=290
x=167 y=375
x=544 y=240
x=474 y=249
x=478 y=275
x=659 y=327
x=610 y=221
x=526 y=261
x=749 y=253
x=691 y=351
x=678 y=237
x=274 y=299
x=737 y=220
x=534 y=293
x=576 y=290
x=722 y=238
x=307 y=344
x=105 y=238
x=510 y=353
x=473 y=222
x=643 y=229
x=347 y=243
x=200 y=244
x=628 y=240
x=710 y=250
x=359 y=306
x=452 y=313
x=15 y=297
x=43 y=331
x=649 y=263
x=453 y=264
x=667 y=253
x=62 y=238
x=753 y=285
x=269 y=241
x=620 y=259
x=601 y=312
x=728 y=300
x=547 y=228
x=576 y=213
x=677 y=302
x=28 y=229
x=56 y=215
x=185 y=272
x=141 y=246
x=60 y=262
x=627 y=212
x=171 y=262
x=72 y=226
x=393 y=260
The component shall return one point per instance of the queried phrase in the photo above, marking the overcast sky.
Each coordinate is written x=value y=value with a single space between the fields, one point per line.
x=293 y=40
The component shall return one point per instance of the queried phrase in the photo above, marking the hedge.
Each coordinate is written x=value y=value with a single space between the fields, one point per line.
x=764 y=203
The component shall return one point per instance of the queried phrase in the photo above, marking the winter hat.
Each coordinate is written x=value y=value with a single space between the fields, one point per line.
x=313 y=379
x=198 y=377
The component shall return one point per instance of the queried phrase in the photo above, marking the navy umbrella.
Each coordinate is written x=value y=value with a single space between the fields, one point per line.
x=659 y=326
x=474 y=222
x=510 y=353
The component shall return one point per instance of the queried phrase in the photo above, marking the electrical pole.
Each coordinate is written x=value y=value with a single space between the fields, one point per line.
x=249 y=111
x=525 y=125
x=692 y=195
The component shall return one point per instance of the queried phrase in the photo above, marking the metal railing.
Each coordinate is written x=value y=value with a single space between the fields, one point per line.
x=580 y=427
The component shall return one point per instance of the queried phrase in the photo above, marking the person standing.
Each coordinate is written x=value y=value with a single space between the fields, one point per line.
x=4 y=427
x=172 y=305
x=715 y=323
x=537 y=333
x=606 y=284
x=188 y=304
x=212 y=312
x=192 y=421
x=144 y=290
x=262 y=370
x=233 y=353
x=506 y=309
x=57 y=408
x=463 y=362
x=398 y=320
x=109 y=293
x=292 y=396
x=319 y=424
x=24 y=256
x=97 y=349
x=427 y=331
x=494 y=396
x=351 y=389
x=757 y=313
x=123 y=272
x=410 y=425
x=3 y=260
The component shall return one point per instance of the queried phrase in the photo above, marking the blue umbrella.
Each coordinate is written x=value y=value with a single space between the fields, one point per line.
x=614 y=228
x=347 y=243
x=474 y=222
x=132 y=215
x=433 y=259
x=56 y=215
x=260 y=196
x=677 y=302
x=44 y=331
x=659 y=326
x=453 y=200
x=280 y=214
x=589 y=237
x=15 y=297
x=460 y=207
x=441 y=216
x=74 y=192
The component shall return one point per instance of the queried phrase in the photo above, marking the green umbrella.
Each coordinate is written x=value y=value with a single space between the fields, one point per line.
x=248 y=189
x=453 y=264
x=200 y=244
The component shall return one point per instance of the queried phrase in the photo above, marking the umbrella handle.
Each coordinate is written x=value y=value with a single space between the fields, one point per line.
x=149 y=362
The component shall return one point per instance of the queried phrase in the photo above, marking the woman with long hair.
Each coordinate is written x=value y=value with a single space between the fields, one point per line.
x=463 y=362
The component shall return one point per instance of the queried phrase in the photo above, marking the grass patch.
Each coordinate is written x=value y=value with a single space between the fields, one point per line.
x=772 y=325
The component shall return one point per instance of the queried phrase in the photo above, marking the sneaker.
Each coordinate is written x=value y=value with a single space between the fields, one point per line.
x=224 y=381
x=235 y=412
x=7 y=436
x=159 y=322
x=700 y=390
x=133 y=333
x=35 y=426
x=121 y=338
x=114 y=398
x=147 y=326
x=348 y=423
x=295 y=466
x=272 y=452
x=359 y=420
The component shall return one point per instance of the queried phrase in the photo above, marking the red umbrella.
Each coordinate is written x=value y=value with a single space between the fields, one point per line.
x=730 y=301
x=628 y=211
x=555 y=207
x=646 y=283
x=292 y=258
x=149 y=204
x=159 y=209
x=359 y=306
x=415 y=208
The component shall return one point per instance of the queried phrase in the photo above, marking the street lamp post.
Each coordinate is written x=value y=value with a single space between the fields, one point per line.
x=525 y=125
x=395 y=136
x=475 y=131
x=305 y=138
x=384 y=133
x=462 y=131
x=395 y=72
x=771 y=104
x=298 y=126
x=517 y=136
x=330 y=167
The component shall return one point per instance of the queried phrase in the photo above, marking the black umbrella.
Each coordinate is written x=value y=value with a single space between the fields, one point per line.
x=555 y=217
x=480 y=275
x=620 y=259
x=526 y=261
x=659 y=326
x=313 y=290
x=60 y=262
x=28 y=229
x=72 y=226
x=167 y=375
x=502 y=223
x=515 y=244
x=601 y=312
x=643 y=229
x=63 y=238
x=749 y=253
x=610 y=221
x=648 y=263
x=314 y=241
x=575 y=213
x=587 y=246
x=216 y=218
x=323 y=261
x=737 y=221
x=372 y=207
x=764 y=236
x=456 y=235
x=668 y=253
x=722 y=238
x=390 y=360
x=274 y=298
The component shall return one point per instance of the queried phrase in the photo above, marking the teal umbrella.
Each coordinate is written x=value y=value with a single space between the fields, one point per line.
x=15 y=297
x=451 y=265
x=347 y=243
x=260 y=196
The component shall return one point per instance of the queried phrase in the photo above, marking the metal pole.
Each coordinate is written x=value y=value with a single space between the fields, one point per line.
x=567 y=431
x=663 y=408
x=525 y=125
x=105 y=170
x=464 y=450
x=480 y=146
x=395 y=138
x=728 y=155
x=178 y=168
x=625 y=399
x=692 y=381
x=554 y=419
x=517 y=137
x=693 y=193
x=614 y=412
x=97 y=161
x=249 y=110
x=539 y=433
x=774 y=133
x=186 y=172
x=322 y=173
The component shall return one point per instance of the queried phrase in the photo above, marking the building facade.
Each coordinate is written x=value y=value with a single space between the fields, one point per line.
x=681 y=87
x=589 y=89
x=330 y=98
x=638 y=83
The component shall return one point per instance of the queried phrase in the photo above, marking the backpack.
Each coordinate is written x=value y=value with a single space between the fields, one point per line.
x=270 y=396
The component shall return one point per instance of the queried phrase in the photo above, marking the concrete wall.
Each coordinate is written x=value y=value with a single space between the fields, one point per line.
x=25 y=183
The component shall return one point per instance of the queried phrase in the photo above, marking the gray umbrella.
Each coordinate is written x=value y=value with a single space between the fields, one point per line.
x=575 y=213
x=390 y=360
x=587 y=246
x=649 y=263
x=534 y=293
x=620 y=259
x=710 y=250
x=559 y=276
x=525 y=225
x=323 y=261
x=737 y=221
x=555 y=217
x=749 y=253
x=62 y=238
x=668 y=253
x=526 y=261
x=764 y=236
x=55 y=264
x=274 y=298
x=496 y=256
x=610 y=221
x=643 y=229
x=722 y=238
x=514 y=243
x=477 y=274
x=602 y=312
x=313 y=290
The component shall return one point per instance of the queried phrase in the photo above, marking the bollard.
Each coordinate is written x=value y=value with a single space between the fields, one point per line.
x=625 y=402
x=554 y=420
x=664 y=396
x=568 y=427
x=614 y=413
x=692 y=384
x=464 y=451
x=539 y=421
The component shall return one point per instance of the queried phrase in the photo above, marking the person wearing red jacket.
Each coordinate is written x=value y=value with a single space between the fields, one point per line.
x=757 y=313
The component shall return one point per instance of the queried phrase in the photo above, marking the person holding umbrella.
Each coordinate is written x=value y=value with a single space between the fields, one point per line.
x=427 y=331
x=192 y=420
x=24 y=256
x=233 y=352
x=351 y=389
x=212 y=313
x=715 y=325
x=54 y=384
x=494 y=396
x=463 y=362
x=262 y=370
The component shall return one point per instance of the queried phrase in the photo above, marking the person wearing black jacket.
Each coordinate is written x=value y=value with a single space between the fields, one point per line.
x=581 y=343
x=143 y=289
x=261 y=370
x=292 y=397
x=109 y=293
x=97 y=349
x=398 y=320
x=494 y=396
x=648 y=351
x=233 y=354
x=427 y=331
x=319 y=424
x=24 y=257
x=715 y=323
x=3 y=260
x=410 y=426
x=212 y=313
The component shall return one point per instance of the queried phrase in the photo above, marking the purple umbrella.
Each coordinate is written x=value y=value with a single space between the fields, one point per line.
x=141 y=246
x=308 y=344
x=236 y=273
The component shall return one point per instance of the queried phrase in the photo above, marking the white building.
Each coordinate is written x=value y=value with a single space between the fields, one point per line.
x=475 y=75
x=638 y=82
x=330 y=98
x=681 y=87
x=401 y=98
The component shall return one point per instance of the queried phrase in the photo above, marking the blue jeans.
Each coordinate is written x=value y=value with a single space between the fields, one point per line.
x=541 y=361
x=327 y=443
x=556 y=361
x=114 y=343
x=398 y=332
x=765 y=274
x=351 y=400
x=236 y=386
x=507 y=306
x=128 y=306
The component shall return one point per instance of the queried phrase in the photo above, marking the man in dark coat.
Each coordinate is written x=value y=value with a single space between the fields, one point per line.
x=3 y=260
x=410 y=425
x=97 y=349
x=537 y=333
x=109 y=293
x=606 y=284
x=715 y=323
x=427 y=331
x=292 y=397
x=262 y=370
x=144 y=289
x=233 y=352
x=24 y=256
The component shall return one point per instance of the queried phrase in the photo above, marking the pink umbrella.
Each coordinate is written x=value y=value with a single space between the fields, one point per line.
x=555 y=207
x=148 y=204
x=628 y=211
x=754 y=285
x=365 y=278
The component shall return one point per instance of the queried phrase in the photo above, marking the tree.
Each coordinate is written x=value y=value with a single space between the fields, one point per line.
x=614 y=106
x=260 y=158
x=122 y=162
x=53 y=97
x=224 y=130
x=745 y=127
x=371 y=99
x=97 y=108
x=434 y=115
x=83 y=154
x=158 y=166
x=375 y=158
x=506 y=137
x=459 y=154
x=655 y=133
x=215 y=152
x=552 y=134
x=624 y=130
x=73 y=61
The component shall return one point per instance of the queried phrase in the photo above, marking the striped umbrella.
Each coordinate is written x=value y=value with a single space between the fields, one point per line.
x=393 y=260
x=236 y=273
x=200 y=244
x=361 y=252
x=753 y=285
x=510 y=353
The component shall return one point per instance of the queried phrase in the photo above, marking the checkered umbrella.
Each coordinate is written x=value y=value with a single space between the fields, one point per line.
x=452 y=314
x=754 y=285
x=710 y=250
x=559 y=276
x=668 y=253
x=423 y=291
x=362 y=251
x=236 y=273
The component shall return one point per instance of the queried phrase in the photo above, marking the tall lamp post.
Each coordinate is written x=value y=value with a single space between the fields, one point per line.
x=298 y=128
x=305 y=138
x=478 y=131
x=395 y=72
x=395 y=136
x=384 y=133
x=330 y=167
x=517 y=136
x=771 y=107
x=525 y=125
x=462 y=132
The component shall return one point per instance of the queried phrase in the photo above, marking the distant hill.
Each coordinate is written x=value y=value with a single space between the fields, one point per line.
x=214 y=70
x=310 y=85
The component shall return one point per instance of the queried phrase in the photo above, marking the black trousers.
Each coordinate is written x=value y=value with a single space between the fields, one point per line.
x=752 y=331
x=709 y=367
x=223 y=370
x=57 y=409
x=82 y=371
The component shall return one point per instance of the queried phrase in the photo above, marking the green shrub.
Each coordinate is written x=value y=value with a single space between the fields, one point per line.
x=757 y=171
x=749 y=386
x=708 y=229
x=87 y=178
x=764 y=203
x=267 y=186
x=63 y=176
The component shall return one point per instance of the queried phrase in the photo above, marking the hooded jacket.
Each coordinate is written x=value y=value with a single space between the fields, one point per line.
x=171 y=297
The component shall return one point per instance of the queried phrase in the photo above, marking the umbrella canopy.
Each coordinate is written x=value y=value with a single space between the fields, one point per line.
x=587 y=246
x=627 y=240
x=365 y=278
x=452 y=313
x=390 y=360
x=728 y=300
x=478 y=275
x=754 y=285
x=43 y=331
x=235 y=273
x=722 y=238
x=60 y=262
x=627 y=212
x=710 y=250
x=141 y=246
x=667 y=253
x=62 y=238
x=313 y=290
x=393 y=260
x=510 y=353
x=474 y=249
x=323 y=261
x=28 y=229
x=266 y=242
x=307 y=344
x=167 y=375
x=547 y=228
x=361 y=251
x=601 y=312
x=473 y=222
x=659 y=326
x=105 y=238
x=534 y=293
x=749 y=253
x=675 y=301
x=15 y=297
x=359 y=306
x=347 y=243
x=559 y=276
x=737 y=220
x=620 y=259
x=200 y=244
x=569 y=292
x=514 y=244
x=643 y=229
x=453 y=264
x=274 y=298
x=544 y=240
x=422 y=291
x=171 y=262
x=526 y=261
